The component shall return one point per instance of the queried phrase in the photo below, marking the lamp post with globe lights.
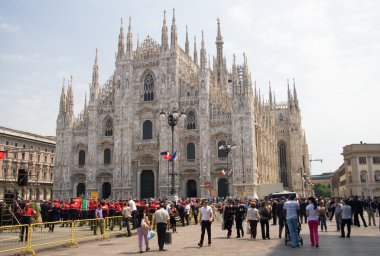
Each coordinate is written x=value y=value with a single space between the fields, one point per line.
x=227 y=149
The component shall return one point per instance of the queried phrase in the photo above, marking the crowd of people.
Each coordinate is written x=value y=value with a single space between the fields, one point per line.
x=287 y=213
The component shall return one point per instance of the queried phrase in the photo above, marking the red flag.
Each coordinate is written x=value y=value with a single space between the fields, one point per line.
x=2 y=155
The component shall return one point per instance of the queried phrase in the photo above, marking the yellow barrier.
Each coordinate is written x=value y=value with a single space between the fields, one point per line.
x=89 y=229
x=10 y=238
x=50 y=233
x=114 y=225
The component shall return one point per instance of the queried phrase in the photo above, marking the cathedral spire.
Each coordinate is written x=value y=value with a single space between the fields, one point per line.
x=195 y=51
x=129 y=40
x=164 y=35
x=70 y=98
x=203 y=53
x=219 y=50
x=295 y=94
x=138 y=41
x=62 y=103
x=290 y=99
x=270 y=96
x=95 y=71
x=173 y=38
x=187 y=49
x=121 y=44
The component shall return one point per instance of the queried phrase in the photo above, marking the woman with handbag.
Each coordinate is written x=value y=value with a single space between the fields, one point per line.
x=312 y=219
x=143 y=227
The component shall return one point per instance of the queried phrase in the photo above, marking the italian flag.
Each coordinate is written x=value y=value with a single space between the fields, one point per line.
x=224 y=172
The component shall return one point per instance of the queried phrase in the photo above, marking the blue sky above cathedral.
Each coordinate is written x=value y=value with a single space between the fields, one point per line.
x=331 y=48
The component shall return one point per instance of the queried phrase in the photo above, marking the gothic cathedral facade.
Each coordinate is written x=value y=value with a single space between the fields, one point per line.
x=113 y=146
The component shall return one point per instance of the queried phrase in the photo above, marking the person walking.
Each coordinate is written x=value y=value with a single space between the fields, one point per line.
x=322 y=215
x=240 y=213
x=346 y=219
x=291 y=212
x=281 y=216
x=206 y=220
x=228 y=218
x=127 y=215
x=264 y=220
x=371 y=208
x=161 y=220
x=338 y=214
x=143 y=226
x=132 y=204
x=99 y=220
x=312 y=218
x=253 y=217
x=173 y=213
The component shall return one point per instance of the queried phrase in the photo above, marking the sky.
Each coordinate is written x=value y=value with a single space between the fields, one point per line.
x=330 y=47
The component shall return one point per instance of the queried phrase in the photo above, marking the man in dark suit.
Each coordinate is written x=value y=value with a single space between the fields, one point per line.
x=280 y=216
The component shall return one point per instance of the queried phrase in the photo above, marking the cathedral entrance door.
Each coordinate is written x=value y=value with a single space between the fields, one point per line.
x=222 y=187
x=106 y=190
x=81 y=189
x=147 y=184
x=191 y=188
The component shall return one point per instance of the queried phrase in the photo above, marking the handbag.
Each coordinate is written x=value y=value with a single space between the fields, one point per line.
x=248 y=231
x=168 y=238
x=144 y=225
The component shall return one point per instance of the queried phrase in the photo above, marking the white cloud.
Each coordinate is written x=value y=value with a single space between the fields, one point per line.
x=8 y=27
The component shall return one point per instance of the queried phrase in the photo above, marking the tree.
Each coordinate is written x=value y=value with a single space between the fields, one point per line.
x=322 y=190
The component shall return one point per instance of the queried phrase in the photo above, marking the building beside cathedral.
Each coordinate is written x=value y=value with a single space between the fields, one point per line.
x=113 y=146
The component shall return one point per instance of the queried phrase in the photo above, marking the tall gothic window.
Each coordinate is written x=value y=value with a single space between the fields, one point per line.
x=221 y=152
x=190 y=151
x=107 y=156
x=191 y=120
x=147 y=130
x=108 y=128
x=282 y=158
x=148 y=87
x=82 y=158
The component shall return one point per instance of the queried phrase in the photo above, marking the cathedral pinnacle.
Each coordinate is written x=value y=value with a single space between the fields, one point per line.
x=203 y=53
x=295 y=94
x=62 y=104
x=195 y=51
x=70 y=98
x=95 y=71
x=187 y=49
x=173 y=39
x=164 y=35
x=121 y=44
x=129 y=40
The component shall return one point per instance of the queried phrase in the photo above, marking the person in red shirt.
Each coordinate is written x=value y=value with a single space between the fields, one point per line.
x=26 y=214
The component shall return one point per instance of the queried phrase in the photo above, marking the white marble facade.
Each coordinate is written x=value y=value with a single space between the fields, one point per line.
x=113 y=146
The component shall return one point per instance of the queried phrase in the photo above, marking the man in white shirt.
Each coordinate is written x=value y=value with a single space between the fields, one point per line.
x=187 y=213
x=127 y=215
x=206 y=218
x=346 y=219
x=132 y=204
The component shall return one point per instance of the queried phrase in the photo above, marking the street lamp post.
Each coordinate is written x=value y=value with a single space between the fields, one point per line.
x=227 y=149
x=173 y=116
x=314 y=160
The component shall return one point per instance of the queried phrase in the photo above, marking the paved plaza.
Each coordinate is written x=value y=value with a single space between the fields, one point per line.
x=364 y=241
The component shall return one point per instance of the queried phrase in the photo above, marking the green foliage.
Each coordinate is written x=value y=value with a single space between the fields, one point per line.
x=322 y=190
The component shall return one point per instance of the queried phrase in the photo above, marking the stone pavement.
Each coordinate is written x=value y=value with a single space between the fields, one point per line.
x=363 y=241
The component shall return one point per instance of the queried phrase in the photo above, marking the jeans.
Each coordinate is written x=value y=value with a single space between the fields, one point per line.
x=371 y=215
x=322 y=221
x=344 y=222
x=338 y=220
x=253 y=225
x=142 y=233
x=126 y=223
x=292 y=226
x=161 y=230
x=98 y=223
x=206 y=224
x=264 y=228
x=313 y=228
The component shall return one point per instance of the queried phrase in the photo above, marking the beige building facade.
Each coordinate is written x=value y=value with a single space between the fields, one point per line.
x=360 y=173
x=31 y=157
x=113 y=146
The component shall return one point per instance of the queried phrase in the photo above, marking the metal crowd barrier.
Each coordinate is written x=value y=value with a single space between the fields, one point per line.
x=10 y=238
x=114 y=225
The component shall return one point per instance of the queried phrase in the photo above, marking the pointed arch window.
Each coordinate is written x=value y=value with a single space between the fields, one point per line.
x=283 y=165
x=190 y=151
x=82 y=158
x=147 y=130
x=148 y=87
x=191 y=120
x=107 y=156
x=108 y=128
x=221 y=152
